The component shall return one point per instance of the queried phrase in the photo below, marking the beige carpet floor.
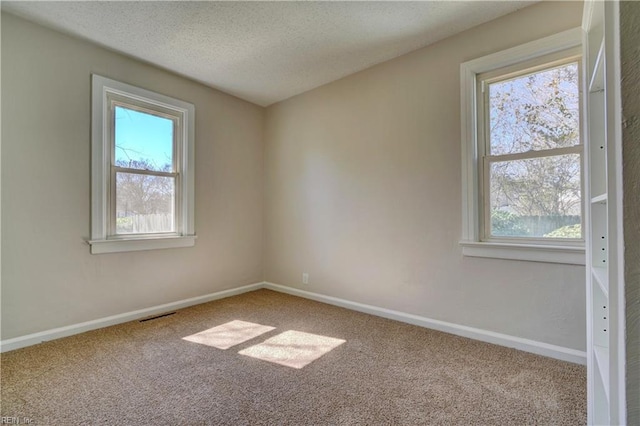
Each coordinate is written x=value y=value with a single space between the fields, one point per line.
x=359 y=370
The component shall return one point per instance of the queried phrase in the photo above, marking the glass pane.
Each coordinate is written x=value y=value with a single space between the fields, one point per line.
x=144 y=203
x=536 y=111
x=143 y=141
x=537 y=197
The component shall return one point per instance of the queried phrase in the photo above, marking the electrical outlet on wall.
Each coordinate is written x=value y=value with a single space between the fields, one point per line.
x=305 y=278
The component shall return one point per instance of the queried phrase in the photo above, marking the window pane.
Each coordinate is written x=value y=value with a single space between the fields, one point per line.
x=144 y=203
x=535 y=112
x=143 y=141
x=537 y=197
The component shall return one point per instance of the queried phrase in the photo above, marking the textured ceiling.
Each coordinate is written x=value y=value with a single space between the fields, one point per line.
x=263 y=52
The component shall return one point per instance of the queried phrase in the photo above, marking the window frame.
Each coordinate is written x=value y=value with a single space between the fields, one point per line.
x=106 y=94
x=539 y=64
x=474 y=242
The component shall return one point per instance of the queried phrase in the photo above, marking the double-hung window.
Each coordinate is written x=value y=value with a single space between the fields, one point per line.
x=142 y=169
x=523 y=152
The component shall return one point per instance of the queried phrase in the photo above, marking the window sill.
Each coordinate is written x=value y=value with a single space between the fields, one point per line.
x=141 y=243
x=570 y=255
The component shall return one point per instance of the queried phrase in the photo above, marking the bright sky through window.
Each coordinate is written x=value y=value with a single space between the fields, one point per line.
x=143 y=138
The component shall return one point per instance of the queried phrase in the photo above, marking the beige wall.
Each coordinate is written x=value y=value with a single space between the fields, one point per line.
x=49 y=279
x=363 y=192
x=630 y=56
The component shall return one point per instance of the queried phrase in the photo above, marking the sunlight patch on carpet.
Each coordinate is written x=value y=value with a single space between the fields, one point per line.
x=230 y=334
x=293 y=348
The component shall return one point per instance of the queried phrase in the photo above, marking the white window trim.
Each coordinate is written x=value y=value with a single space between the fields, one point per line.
x=470 y=242
x=101 y=169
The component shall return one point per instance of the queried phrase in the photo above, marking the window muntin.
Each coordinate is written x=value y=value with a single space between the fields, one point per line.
x=530 y=146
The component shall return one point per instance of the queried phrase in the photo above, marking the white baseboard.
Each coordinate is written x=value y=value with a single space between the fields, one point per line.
x=540 y=348
x=532 y=346
x=57 y=333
